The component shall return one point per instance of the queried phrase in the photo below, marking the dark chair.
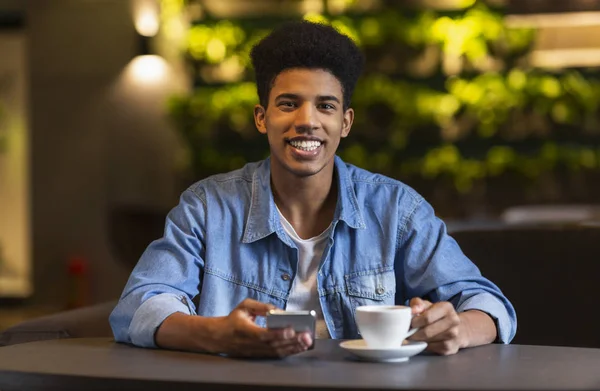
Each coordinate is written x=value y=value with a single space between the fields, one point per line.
x=84 y=322
x=549 y=273
x=131 y=230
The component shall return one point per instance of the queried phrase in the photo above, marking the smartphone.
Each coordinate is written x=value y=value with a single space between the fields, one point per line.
x=300 y=321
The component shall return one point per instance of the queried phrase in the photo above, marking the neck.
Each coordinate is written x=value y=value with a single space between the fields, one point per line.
x=307 y=203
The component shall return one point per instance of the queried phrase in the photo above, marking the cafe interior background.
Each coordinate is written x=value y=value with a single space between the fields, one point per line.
x=110 y=108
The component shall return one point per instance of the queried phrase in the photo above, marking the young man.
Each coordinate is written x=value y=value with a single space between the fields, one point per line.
x=303 y=230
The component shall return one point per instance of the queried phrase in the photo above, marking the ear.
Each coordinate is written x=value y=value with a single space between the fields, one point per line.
x=259 y=119
x=347 y=123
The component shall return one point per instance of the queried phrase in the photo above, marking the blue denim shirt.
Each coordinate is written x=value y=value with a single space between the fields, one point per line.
x=224 y=243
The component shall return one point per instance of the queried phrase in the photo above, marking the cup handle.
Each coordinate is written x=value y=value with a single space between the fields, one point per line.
x=411 y=332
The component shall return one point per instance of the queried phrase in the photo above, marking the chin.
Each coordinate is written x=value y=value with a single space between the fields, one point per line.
x=303 y=169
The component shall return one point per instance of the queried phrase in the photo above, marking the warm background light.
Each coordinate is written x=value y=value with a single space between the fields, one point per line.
x=563 y=40
x=146 y=17
x=147 y=69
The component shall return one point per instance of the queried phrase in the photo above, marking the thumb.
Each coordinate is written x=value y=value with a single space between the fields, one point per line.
x=243 y=324
x=255 y=308
x=419 y=305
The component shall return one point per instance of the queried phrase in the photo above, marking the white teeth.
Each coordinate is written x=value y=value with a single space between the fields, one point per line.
x=306 y=145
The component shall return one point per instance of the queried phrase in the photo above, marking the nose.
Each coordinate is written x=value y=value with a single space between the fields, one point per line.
x=306 y=118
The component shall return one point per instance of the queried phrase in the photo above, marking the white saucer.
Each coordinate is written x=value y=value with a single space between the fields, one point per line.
x=359 y=348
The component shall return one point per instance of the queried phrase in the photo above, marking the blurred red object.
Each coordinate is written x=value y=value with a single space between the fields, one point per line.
x=79 y=286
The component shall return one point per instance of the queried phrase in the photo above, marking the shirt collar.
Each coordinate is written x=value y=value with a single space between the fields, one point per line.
x=263 y=219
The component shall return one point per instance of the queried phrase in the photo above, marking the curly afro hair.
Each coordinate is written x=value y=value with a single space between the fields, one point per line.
x=303 y=44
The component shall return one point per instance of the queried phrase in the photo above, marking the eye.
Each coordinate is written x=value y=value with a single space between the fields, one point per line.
x=327 y=106
x=287 y=104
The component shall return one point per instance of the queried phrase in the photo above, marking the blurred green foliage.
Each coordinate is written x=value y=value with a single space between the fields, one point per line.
x=444 y=95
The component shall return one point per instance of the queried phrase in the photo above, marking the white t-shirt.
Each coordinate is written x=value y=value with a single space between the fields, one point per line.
x=304 y=295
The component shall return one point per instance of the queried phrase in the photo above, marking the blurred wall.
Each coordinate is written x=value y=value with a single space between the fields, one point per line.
x=95 y=143
x=15 y=238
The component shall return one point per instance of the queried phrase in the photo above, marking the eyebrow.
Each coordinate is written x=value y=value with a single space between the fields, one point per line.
x=320 y=98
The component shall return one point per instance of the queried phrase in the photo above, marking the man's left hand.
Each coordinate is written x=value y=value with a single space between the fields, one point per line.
x=439 y=325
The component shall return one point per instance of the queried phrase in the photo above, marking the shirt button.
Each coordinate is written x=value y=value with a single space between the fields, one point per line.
x=379 y=290
x=285 y=277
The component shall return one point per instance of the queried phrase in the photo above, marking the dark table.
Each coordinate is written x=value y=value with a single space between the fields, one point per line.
x=99 y=363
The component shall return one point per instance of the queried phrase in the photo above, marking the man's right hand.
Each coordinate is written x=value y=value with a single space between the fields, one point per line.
x=236 y=334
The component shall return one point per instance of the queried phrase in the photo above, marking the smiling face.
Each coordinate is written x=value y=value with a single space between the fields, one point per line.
x=304 y=121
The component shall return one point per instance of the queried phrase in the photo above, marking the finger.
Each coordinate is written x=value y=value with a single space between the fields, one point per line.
x=256 y=307
x=434 y=313
x=444 y=329
x=444 y=348
x=450 y=334
x=249 y=330
x=272 y=348
x=419 y=305
x=297 y=345
x=288 y=343
x=289 y=350
x=282 y=334
x=247 y=346
x=306 y=339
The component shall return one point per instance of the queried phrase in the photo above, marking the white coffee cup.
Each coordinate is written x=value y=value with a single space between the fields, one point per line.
x=384 y=326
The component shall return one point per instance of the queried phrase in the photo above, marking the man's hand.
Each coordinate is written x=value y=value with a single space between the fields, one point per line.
x=440 y=326
x=446 y=331
x=238 y=335
x=235 y=334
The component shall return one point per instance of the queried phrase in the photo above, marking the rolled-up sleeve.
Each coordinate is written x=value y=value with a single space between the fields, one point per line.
x=167 y=276
x=495 y=308
x=432 y=266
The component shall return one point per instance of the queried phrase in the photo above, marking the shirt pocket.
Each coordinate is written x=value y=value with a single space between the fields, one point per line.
x=371 y=287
